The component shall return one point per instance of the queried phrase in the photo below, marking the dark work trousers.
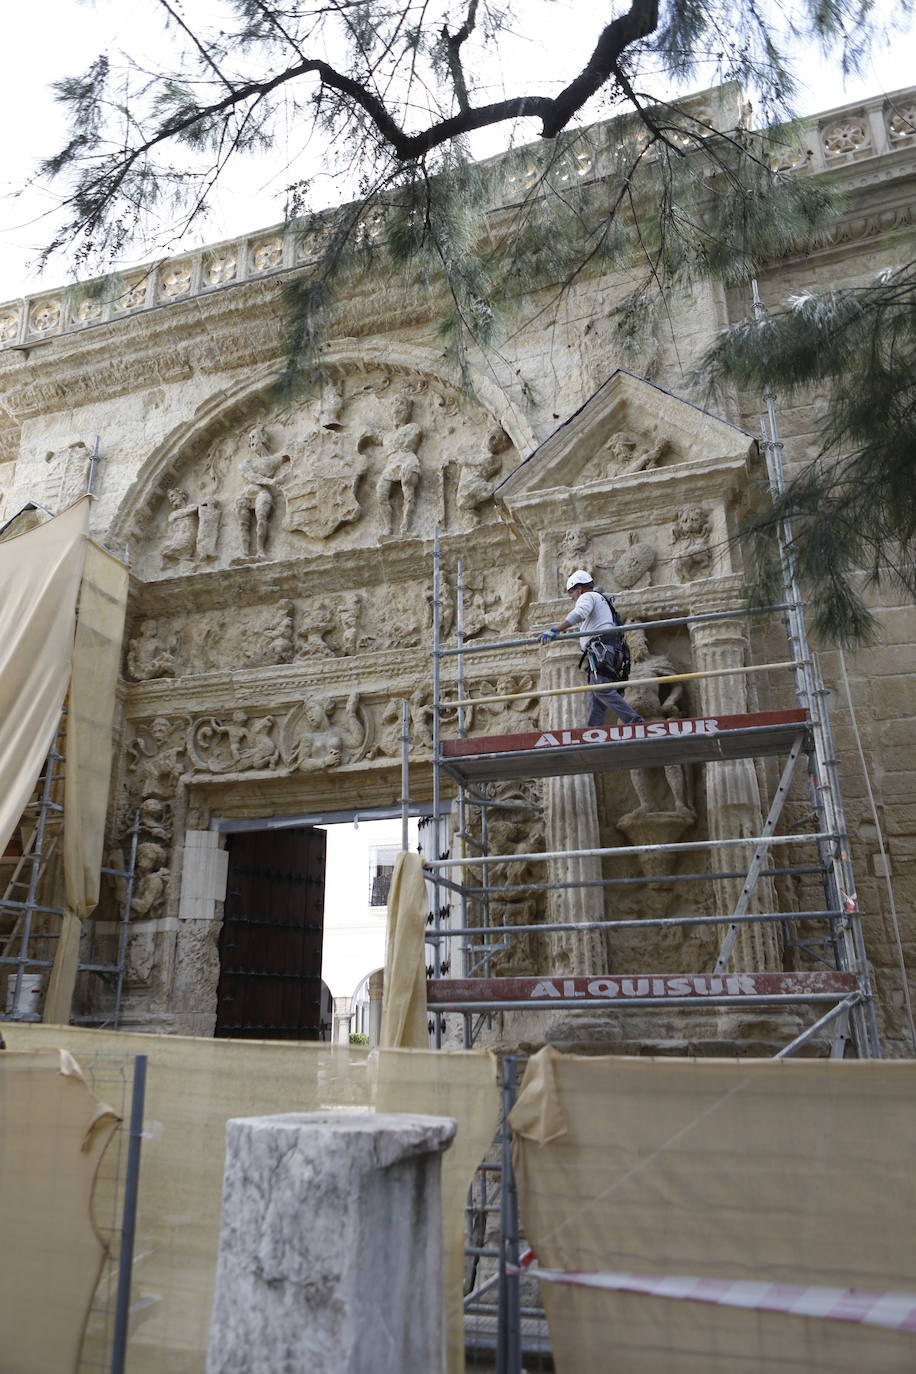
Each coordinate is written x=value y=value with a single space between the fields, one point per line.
x=609 y=698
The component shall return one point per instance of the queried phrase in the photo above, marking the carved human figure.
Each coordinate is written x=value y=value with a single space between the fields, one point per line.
x=655 y=701
x=446 y=608
x=509 y=717
x=147 y=656
x=349 y=615
x=402 y=467
x=262 y=750
x=514 y=595
x=691 y=536
x=279 y=641
x=315 y=742
x=151 y=881
x=330 y=405
x=259 y=471
x=156 y=819
x=160 y=764
x=476 y=475
x=181 y=528
x=320 y=621
x=236 y=745
x=629 y=453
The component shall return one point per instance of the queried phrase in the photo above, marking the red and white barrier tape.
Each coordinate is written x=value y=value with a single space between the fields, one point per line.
x=864 y=1306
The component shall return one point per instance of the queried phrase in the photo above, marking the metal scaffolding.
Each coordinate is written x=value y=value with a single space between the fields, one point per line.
x=30 y=920
x=835 y=985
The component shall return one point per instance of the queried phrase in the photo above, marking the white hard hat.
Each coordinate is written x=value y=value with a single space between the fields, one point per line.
x=580 y=578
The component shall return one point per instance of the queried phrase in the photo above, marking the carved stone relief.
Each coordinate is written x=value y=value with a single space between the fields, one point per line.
x=152 y=654
x=508 y=717
x=68 y=475
x=364 y=458
x=691 y=539
x=494 y=603
x=235 y=745
x=516 y=829
x=663 y=812
x=625 y=453
x=477 y=476
x=632 y=566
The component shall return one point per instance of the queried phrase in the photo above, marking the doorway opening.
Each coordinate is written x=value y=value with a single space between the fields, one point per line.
x=304 y=922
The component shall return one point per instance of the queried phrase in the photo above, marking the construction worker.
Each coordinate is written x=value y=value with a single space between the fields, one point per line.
x=603 y=647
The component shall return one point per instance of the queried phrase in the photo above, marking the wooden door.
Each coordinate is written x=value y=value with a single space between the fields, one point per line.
x=270 y=944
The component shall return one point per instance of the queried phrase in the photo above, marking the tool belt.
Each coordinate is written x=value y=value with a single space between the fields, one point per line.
x=607 y=656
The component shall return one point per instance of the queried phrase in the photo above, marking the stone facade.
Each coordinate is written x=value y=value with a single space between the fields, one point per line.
x=281 y=563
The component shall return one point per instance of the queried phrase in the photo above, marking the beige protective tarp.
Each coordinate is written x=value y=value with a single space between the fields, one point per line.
x=798 y=1171
x=53 y=1132
x=39 y=580
x=87 y=770
x=404 y=1016
x=193 y=1088
x=463 y=1086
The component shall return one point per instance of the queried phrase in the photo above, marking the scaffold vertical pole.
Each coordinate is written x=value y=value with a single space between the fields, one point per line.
x=812 y=695
x=436 y=704
x=125 y=920
x=509 y=1322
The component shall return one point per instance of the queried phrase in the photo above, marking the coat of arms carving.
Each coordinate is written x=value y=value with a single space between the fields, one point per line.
x=321 y=487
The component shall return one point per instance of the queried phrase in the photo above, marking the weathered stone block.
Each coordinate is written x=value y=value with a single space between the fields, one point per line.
x=330 y=1246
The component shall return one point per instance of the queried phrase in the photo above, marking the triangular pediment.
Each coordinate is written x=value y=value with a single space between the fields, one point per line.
x=629 y=427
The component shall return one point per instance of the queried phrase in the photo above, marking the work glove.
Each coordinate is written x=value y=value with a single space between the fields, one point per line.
x=548 y=635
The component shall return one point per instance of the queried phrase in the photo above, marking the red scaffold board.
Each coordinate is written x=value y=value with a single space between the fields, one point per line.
x=642 y=987
x=696 y=739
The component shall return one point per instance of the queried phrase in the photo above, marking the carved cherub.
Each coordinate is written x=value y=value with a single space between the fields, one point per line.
x=234 y=745
x=156 y=819
x=152 y=881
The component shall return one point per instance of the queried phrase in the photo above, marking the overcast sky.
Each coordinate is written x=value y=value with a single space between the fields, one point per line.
x=47 y=39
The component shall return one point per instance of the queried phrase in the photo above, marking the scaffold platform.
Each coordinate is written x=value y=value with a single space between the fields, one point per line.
x=642 y=990
x=656 y=744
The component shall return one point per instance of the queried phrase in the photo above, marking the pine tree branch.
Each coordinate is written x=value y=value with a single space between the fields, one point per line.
x=452 y=43
x=639 y=22
x=201 y=48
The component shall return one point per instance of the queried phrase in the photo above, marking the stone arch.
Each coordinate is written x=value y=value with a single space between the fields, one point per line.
x=245 y=401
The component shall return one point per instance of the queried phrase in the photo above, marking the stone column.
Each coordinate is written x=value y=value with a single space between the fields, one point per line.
x=571 y=823
x=733 y=806
x=330 y=1246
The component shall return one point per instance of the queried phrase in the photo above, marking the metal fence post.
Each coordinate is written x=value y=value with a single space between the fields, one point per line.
x=128 y=1224
x=509 y=1321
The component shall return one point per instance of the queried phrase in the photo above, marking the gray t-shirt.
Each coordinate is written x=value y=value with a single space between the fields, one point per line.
x=593 y=616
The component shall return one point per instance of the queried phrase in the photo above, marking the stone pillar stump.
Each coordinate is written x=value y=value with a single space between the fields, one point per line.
x=330 y=1246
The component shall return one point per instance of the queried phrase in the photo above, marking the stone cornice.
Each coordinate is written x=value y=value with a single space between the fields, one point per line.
x=864 y=143
x=391 y=563
x=614 y=505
